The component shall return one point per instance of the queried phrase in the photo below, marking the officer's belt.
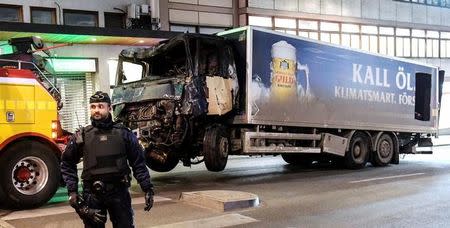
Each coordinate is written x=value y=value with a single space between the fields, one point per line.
x=108 y=186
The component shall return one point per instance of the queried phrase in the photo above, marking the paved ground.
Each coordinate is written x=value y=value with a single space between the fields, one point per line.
x=413 y=194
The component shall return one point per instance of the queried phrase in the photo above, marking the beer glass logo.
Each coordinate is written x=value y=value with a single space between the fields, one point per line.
x=283 y=71
x=284 y=68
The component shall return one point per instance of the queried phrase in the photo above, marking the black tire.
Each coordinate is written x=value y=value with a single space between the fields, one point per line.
x=358 y=154
x=302 y=160
x=2 y=197
x=216 y=146
x=30 y=175
x=162 y=161
x=384 y=152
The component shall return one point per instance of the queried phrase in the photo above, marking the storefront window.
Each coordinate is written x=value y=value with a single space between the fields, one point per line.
x=10 y=13
x=43 y=15
x=81 y=18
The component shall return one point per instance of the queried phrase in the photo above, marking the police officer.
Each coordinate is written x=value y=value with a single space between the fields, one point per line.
x=108 y=149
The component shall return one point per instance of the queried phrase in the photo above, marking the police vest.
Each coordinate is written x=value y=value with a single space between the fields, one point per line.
x=104 y=154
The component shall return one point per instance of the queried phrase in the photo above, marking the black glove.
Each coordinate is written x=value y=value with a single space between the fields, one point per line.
x=94 y=215
x=149 y=200
x=84 y=211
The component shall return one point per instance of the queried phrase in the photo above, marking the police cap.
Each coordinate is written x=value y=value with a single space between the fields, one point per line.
x=98 y=97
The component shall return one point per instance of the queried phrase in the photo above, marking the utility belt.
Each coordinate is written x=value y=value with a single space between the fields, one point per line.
x=101 y=186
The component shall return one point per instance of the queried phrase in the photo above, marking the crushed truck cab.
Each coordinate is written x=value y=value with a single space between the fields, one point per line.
x=182 y=85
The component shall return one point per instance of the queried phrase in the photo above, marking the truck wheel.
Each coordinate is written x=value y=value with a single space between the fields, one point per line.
x=216 y=145
x=303 y=160
x=161 y=161
x=358 y=154
x=384 y=151
x=30 y=175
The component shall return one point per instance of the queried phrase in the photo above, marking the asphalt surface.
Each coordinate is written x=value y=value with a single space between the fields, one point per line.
x=414 y=193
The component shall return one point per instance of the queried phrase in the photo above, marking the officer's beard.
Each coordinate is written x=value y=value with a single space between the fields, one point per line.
x=105 y=123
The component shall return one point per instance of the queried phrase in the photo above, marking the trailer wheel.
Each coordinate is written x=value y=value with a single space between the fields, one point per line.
x=384 y=152
x=358 y=154
x=30 y=175
x=216 y=146
x=303 y=160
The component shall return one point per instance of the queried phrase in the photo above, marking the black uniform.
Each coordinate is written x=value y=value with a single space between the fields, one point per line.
x=108 y=149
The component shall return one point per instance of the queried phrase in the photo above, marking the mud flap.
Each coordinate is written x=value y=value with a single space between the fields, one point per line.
x=334 y=144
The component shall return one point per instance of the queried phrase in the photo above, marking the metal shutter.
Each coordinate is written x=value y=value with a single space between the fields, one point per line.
x=75 y=92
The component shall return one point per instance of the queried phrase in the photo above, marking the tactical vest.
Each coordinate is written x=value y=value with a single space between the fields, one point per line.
x=104 y=154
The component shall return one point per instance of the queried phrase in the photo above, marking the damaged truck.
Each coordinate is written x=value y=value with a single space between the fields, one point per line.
x=250 y=91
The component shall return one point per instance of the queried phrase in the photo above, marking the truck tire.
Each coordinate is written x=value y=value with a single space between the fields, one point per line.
x=162 y=162
x=30 y=175
x=303 y=160
x=384 y=152
x=216 y=146
x=358 y=154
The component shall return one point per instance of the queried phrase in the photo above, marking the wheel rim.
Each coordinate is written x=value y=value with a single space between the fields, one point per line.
x=357 y=151
x=385 y=149
x=29 y=175
x=223 y=147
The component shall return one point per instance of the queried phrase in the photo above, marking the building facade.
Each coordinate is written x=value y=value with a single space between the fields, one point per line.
x=98 y=29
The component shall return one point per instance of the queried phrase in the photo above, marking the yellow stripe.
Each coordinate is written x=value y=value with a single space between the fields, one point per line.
x=24 y=105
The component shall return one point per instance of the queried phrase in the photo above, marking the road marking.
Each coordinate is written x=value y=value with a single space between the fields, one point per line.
x=42 y=212
x=388 y=177
x=212 y=222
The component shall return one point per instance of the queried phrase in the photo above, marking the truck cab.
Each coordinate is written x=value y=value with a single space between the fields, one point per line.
x=172 y=94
